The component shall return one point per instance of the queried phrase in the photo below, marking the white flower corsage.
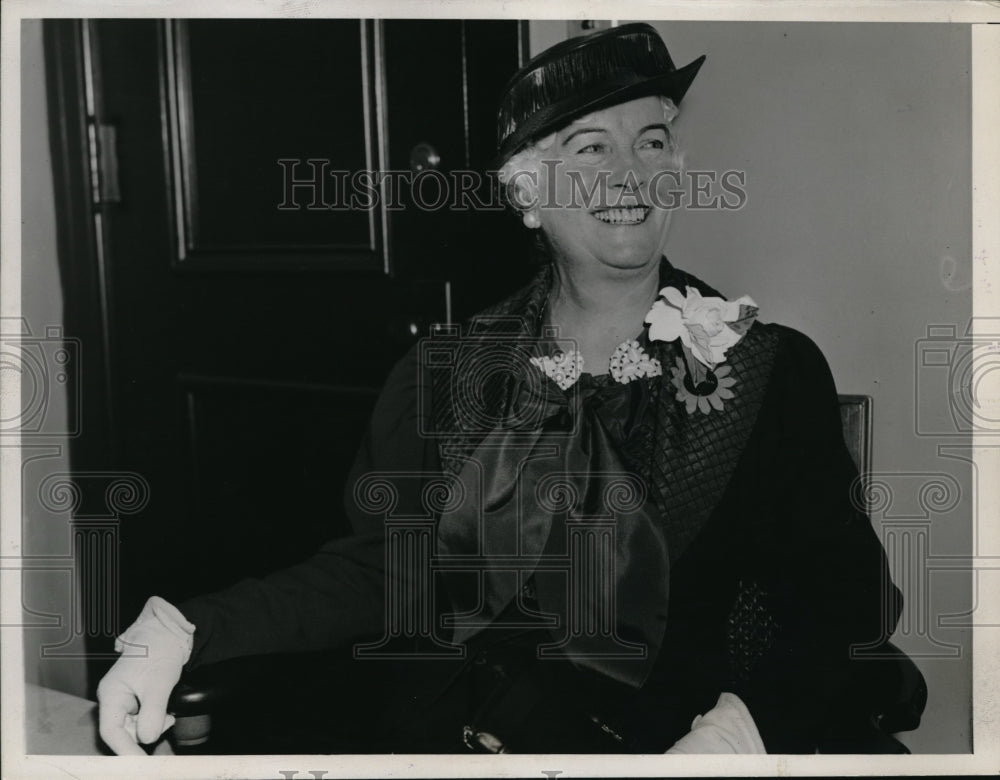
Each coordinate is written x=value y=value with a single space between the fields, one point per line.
x=707 y=328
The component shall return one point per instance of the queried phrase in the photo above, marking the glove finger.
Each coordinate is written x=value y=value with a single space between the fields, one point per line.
x=152 y=719
x=116 y=701
x=130 y=728
x=163 y=748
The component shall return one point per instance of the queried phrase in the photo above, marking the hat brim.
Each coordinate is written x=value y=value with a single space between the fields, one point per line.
x=673 y=84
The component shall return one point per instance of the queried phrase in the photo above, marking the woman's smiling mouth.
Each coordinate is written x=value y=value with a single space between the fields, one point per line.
x=631 y=215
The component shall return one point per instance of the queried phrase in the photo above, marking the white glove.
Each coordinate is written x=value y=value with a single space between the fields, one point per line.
x=133 y=694
x=726 y=728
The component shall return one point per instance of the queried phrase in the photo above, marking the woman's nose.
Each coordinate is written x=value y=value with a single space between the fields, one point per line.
x=628 y=175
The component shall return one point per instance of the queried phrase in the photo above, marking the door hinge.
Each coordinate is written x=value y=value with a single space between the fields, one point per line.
x=108 y=189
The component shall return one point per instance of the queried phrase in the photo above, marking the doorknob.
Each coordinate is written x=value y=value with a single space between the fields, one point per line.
x=424 y=157
x=407 y=330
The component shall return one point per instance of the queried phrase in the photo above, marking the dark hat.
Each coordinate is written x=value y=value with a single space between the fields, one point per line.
x=586 y=74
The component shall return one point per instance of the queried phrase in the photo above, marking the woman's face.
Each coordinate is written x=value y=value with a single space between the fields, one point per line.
x=594 y=198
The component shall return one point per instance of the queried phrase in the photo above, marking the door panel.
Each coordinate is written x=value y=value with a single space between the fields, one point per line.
x=278 y=499
x=245 y=342
x=250 y=103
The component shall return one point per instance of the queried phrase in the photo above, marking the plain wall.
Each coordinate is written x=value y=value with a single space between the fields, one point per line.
x=49 y=596
x=855 y=140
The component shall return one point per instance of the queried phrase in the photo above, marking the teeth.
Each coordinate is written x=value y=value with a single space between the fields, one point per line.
x=629 y=216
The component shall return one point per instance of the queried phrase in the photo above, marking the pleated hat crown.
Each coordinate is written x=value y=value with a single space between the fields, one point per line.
x=586 y=74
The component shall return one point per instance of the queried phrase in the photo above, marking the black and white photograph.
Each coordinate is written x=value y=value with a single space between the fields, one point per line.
x=482 y=390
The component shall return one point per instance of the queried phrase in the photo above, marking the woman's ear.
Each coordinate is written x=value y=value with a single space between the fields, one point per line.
x=522 y=190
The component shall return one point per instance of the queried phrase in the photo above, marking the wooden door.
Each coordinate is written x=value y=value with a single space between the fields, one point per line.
x=236 y=326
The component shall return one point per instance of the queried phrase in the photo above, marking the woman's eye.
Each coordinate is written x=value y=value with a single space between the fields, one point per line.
x=654 y=143
x=590 y=149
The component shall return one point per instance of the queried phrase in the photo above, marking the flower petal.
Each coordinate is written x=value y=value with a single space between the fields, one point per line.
x=726 y=381
x=722 y=371
x=715 y=401
x=664 y=322
x=691 y=402
x=704 y=359
x=722 y=342
x=725 y=393
x=730 y=311
x=674 y=296
x=743 y=320
x=703 y=406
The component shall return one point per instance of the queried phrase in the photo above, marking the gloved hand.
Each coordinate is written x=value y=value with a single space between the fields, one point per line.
x=726 y=728
x=133 y=695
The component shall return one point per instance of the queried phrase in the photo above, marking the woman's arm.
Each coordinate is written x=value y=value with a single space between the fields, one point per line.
x=331 y=599
x=337 y=595
x=334 y=597
x=820 y=563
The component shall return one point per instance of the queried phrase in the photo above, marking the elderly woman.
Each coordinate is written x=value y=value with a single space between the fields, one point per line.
x=648 y=518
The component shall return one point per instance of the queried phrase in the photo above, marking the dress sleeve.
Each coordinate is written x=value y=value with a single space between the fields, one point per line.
x=820 y=567
x=336 y=596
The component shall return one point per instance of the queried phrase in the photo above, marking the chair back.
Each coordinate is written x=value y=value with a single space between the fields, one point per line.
x=856 y=419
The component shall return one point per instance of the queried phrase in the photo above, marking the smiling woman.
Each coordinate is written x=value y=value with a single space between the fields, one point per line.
x=637 y=495
x=599 y=220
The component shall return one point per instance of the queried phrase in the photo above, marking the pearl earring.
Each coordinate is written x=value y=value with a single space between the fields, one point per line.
x=531 y=219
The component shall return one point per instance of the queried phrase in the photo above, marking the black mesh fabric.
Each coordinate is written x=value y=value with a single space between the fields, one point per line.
x=751 y=630
x=685 y=458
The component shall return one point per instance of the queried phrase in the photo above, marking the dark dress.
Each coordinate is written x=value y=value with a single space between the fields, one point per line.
x=773 y=572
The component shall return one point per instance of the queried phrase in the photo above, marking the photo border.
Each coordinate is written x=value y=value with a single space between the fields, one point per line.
x=986 y=302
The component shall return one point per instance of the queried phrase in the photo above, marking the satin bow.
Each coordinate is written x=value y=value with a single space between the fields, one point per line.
x=550 y=497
